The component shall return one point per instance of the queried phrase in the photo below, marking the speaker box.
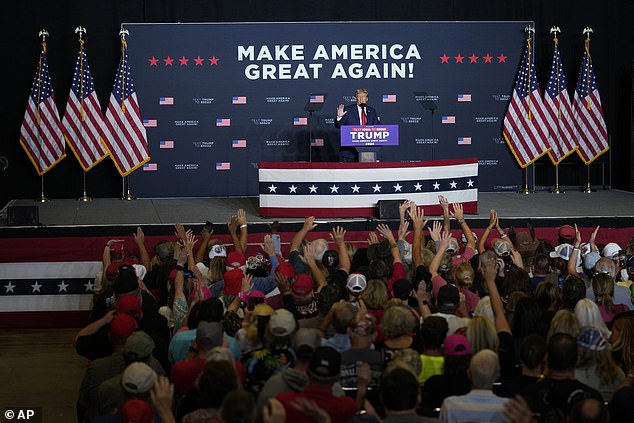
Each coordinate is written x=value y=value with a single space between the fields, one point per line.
x=23 y=216
x=388 y=209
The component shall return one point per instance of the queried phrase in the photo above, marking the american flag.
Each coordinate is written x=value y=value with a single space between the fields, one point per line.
x=448 y=119
x=316 y=99
x=239 y=100
x=389 y=98
x=353 y=189
x=150 y=167
x=559 y=117
x=223 y=165
x=239 y=143
x=223 y=122
x=464 y=140
x=83 y=123
x=166 y=101
x=317 y=142
x=300 y=121
x=464 y=98
x=525 y=128
x=125 y=139
x=41 y=133
x=150 y=123
x=592 y=135
x=166 y=144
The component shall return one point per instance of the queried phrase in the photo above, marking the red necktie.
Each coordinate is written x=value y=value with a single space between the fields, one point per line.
x=363 y=120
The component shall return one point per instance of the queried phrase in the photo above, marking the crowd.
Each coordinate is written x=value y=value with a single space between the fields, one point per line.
x=428 y=324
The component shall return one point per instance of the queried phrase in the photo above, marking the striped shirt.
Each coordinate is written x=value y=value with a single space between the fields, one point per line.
x=479 y=405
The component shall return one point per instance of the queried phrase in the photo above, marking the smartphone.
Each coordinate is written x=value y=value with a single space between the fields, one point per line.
x=622 y=258
x=209 y=226
x=277 y=243
x=188 y=274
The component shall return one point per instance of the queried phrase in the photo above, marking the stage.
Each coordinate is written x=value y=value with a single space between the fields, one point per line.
x=113 y=216
x=48 y=268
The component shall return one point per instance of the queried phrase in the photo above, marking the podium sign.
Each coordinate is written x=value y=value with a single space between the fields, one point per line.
x=369 y=135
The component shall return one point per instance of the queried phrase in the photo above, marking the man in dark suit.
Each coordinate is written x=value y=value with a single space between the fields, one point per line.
x=355 y=114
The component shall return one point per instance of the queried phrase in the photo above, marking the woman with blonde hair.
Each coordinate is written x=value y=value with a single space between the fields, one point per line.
x=564 y=321
x=588 y=314
x=398 y=325
x=482 y=335
x=595 y=366
x=375 y=297
x=603 y=288
x=622 y=340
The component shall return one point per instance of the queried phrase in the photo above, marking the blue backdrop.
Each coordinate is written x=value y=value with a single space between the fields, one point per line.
x=219 y=98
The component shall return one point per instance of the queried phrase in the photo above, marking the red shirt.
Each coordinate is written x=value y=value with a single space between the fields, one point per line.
x=340 y=409
x=398 y=272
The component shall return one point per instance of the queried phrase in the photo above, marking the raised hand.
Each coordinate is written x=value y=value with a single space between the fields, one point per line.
x=338 y=235
x=458 y=212
x=179 y=231
x=372 y=238
x=241 y=217
x=309 y=223
x=386 y=232
x=268 y=246
x=435 y=230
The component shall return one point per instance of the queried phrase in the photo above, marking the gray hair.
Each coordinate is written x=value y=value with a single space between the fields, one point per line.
x=484 y=369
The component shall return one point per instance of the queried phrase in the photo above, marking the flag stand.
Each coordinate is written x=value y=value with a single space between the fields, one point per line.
x=588 y=189
x=525 y=190
x=556 y=189
x=127 y=194
x=85 y=197
x=43 y=198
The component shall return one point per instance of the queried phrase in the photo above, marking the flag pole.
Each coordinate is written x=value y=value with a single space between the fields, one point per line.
x=526 y=189
x=128 y=195
x=84 y=197
x=588 y=189
x=556 y=189
x=43 y=198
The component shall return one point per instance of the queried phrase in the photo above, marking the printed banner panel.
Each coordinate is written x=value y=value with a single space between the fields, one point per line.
x=218 y=98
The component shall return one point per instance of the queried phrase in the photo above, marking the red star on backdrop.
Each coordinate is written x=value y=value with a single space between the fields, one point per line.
x=183 y=61
x=213 y=61
x=168 y=61
x=487 y=58
x=473 y=58
x=199 y=61
x=502 y=58
x=444 y=58
x=458 y=58
x=153 y=61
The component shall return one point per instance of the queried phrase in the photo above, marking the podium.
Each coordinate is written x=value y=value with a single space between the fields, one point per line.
x=368 y=139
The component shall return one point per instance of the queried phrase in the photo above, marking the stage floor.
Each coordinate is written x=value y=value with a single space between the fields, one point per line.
x=608 y=207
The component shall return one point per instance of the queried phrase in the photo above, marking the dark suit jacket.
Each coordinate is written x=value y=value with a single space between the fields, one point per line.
x=352 y=117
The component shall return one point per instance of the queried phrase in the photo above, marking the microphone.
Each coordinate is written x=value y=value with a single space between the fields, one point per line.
x=362 y=105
